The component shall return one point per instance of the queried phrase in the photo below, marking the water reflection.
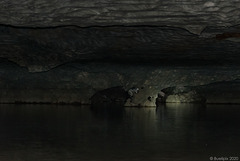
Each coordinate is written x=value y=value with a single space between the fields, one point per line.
x=108 y=111
x=187 y=110
x=71 y=133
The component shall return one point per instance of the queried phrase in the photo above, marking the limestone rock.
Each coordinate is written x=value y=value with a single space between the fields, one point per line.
x=81 y=47
x=217 y=92
x=191 y=14
x=185 y=97
x=77 y=83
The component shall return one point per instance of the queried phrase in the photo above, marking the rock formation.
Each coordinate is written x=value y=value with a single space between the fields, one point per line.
x=67 y=51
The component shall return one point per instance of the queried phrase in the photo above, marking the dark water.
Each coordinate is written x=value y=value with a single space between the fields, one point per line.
x=72 y=133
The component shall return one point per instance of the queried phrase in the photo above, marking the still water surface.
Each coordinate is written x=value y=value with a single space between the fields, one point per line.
x=78 y=133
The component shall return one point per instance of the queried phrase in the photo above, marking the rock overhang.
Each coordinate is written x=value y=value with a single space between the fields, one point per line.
x=192 y=15
x=41 y=35
x=45 y=48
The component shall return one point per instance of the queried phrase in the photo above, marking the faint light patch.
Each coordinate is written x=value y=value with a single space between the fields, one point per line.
x=213 y=9
x=209 y=4
x=233 y=39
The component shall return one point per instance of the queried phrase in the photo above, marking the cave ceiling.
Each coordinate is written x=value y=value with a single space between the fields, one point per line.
x=43 y=34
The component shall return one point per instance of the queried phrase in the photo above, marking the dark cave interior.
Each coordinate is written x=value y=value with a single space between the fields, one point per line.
x=66 y=52
x=75 y=74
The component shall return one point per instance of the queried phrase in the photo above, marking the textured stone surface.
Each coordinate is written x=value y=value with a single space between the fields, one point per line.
x=184 y=95
x=217 y=92
x=221 y=92
x=43 y=49
x=192 y=15
x=41 y=35
x=155 y=43
x=113 y=95
x=77 y=83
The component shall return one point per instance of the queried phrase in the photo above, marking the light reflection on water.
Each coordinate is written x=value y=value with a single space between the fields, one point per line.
x=72 y=133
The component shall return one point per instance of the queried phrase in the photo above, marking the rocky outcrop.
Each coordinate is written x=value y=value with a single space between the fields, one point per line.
x=218 y=92
x=77 y=83
x=71 y=51
x=192 y=15
x=183 y=95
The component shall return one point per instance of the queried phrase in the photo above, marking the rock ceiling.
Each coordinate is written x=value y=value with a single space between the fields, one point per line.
x=42 y=34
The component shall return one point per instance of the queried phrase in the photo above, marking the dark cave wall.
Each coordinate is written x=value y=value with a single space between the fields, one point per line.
x=78 y=82
x=66 y=51
x=45 y=48
x=41 y=35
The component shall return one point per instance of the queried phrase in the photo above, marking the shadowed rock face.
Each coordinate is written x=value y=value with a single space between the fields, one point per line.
x=41 y=34
x=66 y=51
x=43 y=49
x=78 y=82
x=110 y=95
x=217 y=92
